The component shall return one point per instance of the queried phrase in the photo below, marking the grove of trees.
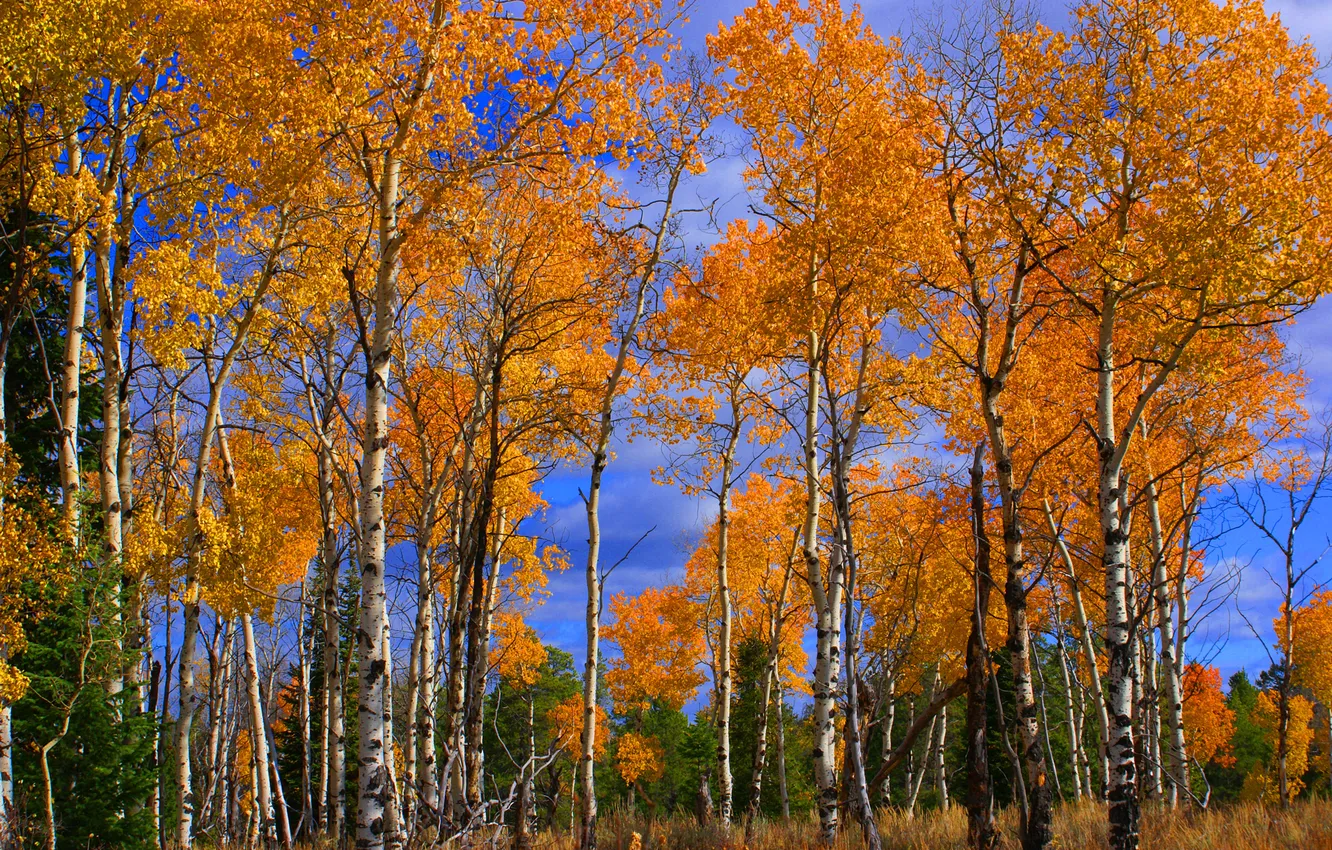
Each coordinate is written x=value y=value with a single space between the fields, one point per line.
x=987 y=399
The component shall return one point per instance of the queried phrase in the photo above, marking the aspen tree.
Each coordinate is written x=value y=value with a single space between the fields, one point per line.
x=815 y=93
x=1144 y=185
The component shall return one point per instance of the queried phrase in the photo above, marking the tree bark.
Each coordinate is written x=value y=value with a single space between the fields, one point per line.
x=827 y=603
x=771 y=672
x=724 y=784
x=263 y=792
x=1037 y=833
x=70 y=366
x=1123 y=794
x=1177 y=764
x=333 y=768
x=980 y=797
x=600 y=452
x=373 y=815
x=782 y=789
x=1088 y=651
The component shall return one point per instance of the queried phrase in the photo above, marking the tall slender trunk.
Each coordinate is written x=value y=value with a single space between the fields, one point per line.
x=1123 y=794
x=459 y=591
x=263 y=792
x=889 y=721
x=1077 y=752
x=980 y=797
x=111 y=310
x=374 y=721
x=587 y=839
x=1174 y=698
x=1181 y=595
x=1285 y=684
x=599 y=452
x=419 y=748
x=303 y=717
x=425 y=730
x=782 y=788
x=7 y=812
x=827 y=601
x=843 y=446
x=587 y=798
x=333 y=766
x=280 y=806
x=70 y=366
x=376 y=820
x=1045 y=725
x=484 y=589
x=940 y=767
x=212 y=424
x=1037 y=833
x=725 y=795
x=771 y=673
x=1088 y=651
x=219 y=683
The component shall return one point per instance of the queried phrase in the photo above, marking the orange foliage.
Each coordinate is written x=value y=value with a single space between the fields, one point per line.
x=1209 y=724
x=639 y=757
x=660 y=648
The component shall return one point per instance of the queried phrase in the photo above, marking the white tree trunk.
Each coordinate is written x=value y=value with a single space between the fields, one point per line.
x=827 y=604
x=263 y=792
x=372 y=653
x=6 y=766
x=1088 y=651
x=1176 y=765
x=940 y=768
x=70 y=366
x=725 y=796
x=1123 y=792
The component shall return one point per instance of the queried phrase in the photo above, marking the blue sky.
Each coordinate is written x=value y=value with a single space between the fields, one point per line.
x=632 y=504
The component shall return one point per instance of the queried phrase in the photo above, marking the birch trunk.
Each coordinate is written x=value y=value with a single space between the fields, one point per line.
x=980 y=797
x=1088 y=651
x=1077 y=753
x=587 y=836
x=303 y=717
x=725 y=795
x=1181 y=594
x=1037 y=833
x=889 y=721
x=263 y=792
x=333 y=767
x=484 y=589
x=600 y=450
x=70 y=366
x=1174 y=697
x=7 y=813
x=827 y=602
x=374 y=722
x=1123 y=791
x=940 y=768
x=782 y=790
x=425 y=730
x=376 y=821
x=419 y=749
x=843 y=451
x=771 y=672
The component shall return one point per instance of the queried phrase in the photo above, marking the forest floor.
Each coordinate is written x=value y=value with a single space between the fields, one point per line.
x=1082 y=826
x=1306 y=826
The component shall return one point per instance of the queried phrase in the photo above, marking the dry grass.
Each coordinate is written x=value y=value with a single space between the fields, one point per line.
x=1307 y=826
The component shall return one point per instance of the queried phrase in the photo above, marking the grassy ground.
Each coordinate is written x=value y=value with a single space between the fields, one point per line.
x=1307 y=826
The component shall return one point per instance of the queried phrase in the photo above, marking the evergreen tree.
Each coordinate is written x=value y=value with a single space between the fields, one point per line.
x=101 y=765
